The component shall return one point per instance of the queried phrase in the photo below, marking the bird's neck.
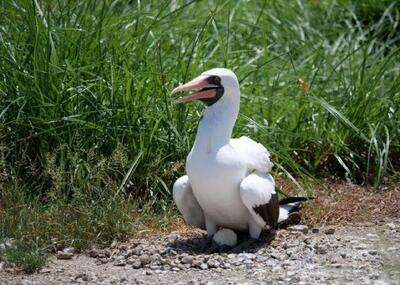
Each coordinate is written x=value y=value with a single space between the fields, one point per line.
x=215 y=128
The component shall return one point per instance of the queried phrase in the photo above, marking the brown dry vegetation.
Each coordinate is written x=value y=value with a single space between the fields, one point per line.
x=345 y=202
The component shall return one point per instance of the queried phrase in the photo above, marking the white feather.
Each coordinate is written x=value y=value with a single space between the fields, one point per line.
x=187 y=203
x=254 y=154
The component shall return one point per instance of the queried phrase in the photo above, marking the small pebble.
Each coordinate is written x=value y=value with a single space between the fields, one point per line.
x=320 y=249
x=144 y=259
x=82 y=276
x=360 y=246
x=330 y=231
x=187 y=259
x=43 y=270
x=391 y=226
x=69 y=250
x=114 y=244
x=64 y=255
x=119 y=262
x=213 y=263
x=137 y=264
x=373 y=252
x=299 y=228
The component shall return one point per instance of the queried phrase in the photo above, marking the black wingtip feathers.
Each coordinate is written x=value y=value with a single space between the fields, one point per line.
x=288 y=200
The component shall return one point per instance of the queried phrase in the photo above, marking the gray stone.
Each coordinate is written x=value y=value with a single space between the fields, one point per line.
x=213 y=263
x=7 y=243
x=43 y=270
x=247 y=255
x=136 y=251
x=93 y=252
x=119 y=263
x=137 y=264
x=278 y=256
x=299 y=228
x=187 y=259
x=123 y=278
x=114 y=244
x=3 y=265
x=144 y=258
x=83 y=276
x=330 y=231
x=373 y=252
x=391 y=226
x=320 y=249
x=360 y=246
x=64 y=255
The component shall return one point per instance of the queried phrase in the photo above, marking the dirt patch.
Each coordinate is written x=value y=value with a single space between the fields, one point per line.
x=345 y=203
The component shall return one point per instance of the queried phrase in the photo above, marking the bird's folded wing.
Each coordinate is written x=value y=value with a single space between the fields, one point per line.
x=255 y=154
x=257 y=192
x=187 y=203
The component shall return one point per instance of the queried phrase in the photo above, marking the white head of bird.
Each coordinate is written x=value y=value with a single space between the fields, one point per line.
x=218 y=88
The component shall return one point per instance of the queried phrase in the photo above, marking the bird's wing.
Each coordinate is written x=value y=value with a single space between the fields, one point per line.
x=257 y=192
x=255 y=155
x=187 y=203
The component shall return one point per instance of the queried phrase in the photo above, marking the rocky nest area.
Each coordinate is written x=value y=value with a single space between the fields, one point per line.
x=366 y=253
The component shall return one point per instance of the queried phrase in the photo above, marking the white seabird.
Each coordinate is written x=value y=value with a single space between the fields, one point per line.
x=228 y=182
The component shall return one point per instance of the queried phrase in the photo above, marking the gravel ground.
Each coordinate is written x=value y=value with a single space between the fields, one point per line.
x=365 y=253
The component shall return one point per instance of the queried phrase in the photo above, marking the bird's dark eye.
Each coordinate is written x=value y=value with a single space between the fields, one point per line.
x=217 y=80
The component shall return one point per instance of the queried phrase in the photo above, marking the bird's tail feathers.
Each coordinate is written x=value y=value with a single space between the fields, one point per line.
x=289 y=210
x=288 y=200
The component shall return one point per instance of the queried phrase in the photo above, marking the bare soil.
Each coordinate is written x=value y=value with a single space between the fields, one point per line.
x=346 y=203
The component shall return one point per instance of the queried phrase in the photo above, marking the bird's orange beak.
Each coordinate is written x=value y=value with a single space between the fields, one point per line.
x=206 y=90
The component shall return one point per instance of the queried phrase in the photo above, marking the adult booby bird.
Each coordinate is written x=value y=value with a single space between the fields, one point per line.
x=228 y=182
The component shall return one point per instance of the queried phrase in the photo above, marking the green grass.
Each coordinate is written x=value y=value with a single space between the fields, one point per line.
x=90 y=139
x=28 y=257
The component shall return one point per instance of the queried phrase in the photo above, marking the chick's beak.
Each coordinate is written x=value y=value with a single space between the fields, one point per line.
x=206 y=90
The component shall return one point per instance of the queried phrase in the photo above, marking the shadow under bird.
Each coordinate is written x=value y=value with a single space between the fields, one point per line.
x=228 y=182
